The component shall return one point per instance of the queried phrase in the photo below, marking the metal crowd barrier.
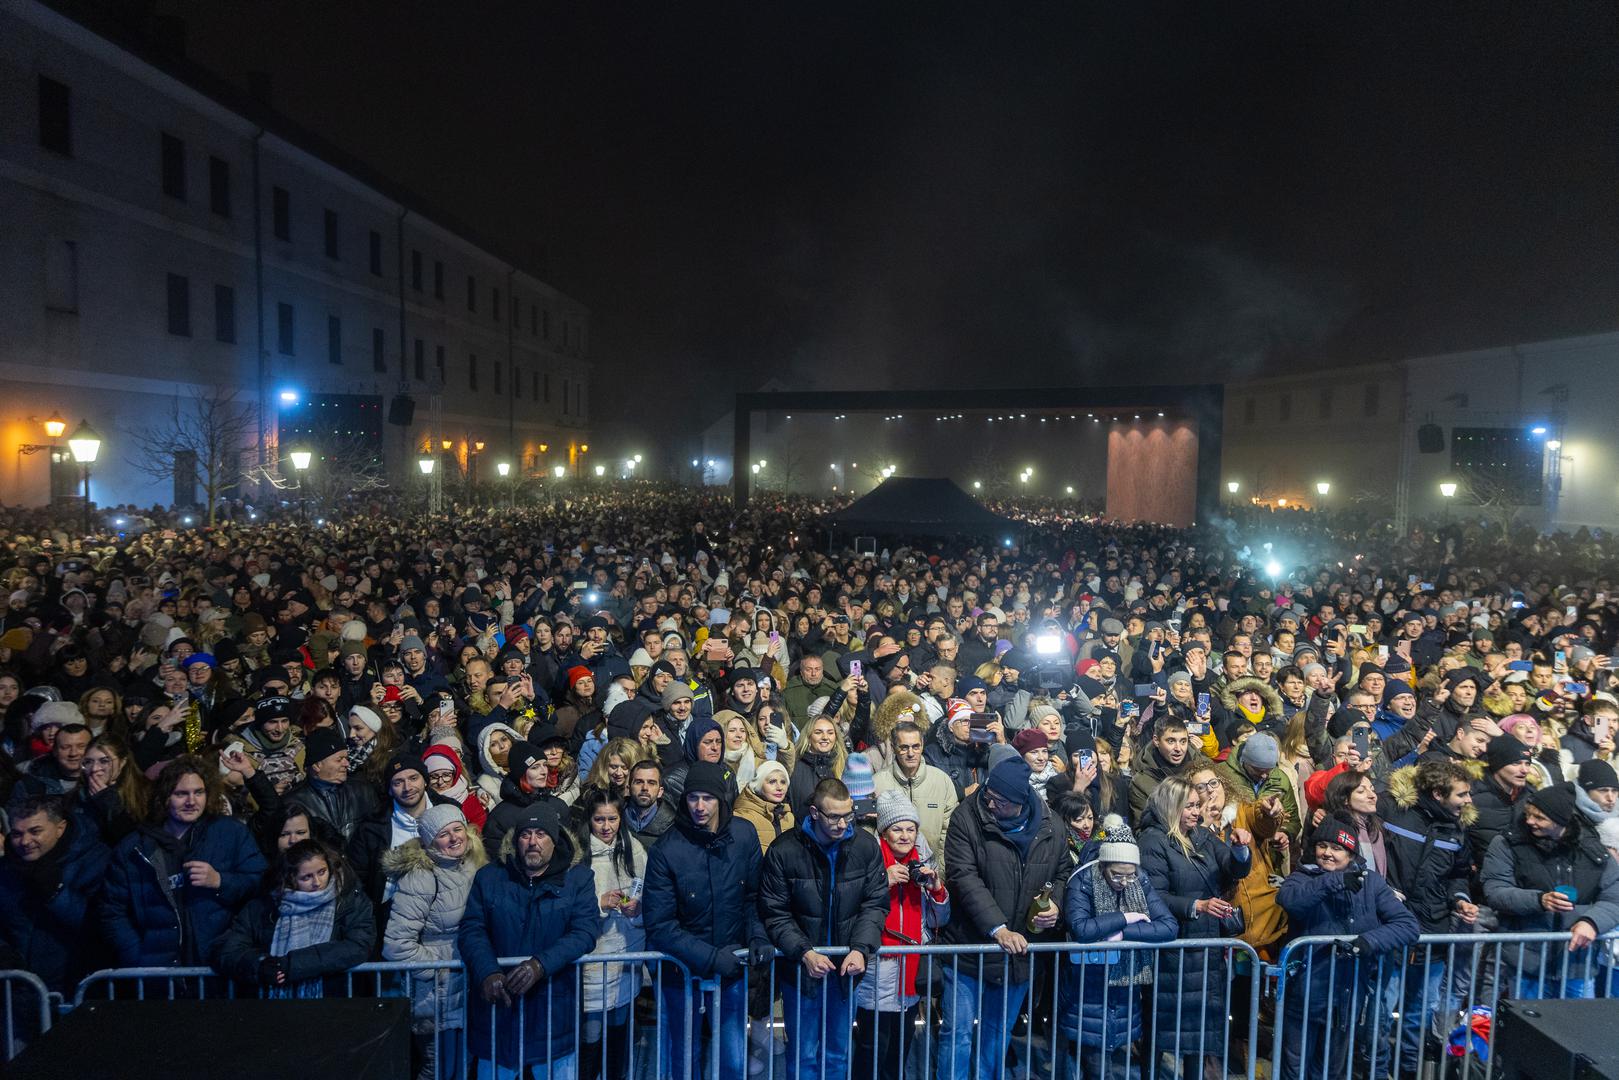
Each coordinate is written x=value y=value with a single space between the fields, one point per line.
x=27 y=1005
x=1426 y=1011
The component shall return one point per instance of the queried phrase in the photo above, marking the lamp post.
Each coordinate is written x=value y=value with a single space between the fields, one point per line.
x=86 y=445
x=426 y=463
x=300 y=463
x=504 y=468
x=1448 y=490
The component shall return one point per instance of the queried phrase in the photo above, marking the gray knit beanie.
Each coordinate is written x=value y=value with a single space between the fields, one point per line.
x=893 y=806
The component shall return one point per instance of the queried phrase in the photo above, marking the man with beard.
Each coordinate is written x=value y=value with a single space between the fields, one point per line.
x=535 y=903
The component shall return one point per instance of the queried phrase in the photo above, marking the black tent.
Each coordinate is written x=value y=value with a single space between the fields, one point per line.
x=920 y=506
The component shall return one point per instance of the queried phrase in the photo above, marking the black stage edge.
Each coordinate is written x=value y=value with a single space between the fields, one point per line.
x=247 y=1039
x=1558 y=1040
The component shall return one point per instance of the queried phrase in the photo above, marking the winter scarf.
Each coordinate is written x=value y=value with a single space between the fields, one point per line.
x=303 y=919
x=1129 y=970
x=905 y=919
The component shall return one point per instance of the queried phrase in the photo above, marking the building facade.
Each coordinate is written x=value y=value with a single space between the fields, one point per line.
x=170 y=242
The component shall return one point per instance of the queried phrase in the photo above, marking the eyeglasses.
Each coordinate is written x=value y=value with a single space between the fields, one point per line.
x=834 y=819
x=1207 y=787
x=1121 y=880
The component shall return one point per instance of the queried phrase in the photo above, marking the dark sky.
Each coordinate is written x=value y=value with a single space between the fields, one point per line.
x=906 y=194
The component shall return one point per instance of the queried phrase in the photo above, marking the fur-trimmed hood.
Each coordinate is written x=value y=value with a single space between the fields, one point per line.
x=1267 y=693
x=1402 y=788
x=399 y=861
x=897 y=707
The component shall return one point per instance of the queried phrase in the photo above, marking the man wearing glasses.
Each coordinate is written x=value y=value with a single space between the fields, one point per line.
x=929 y=788
x=823 y=886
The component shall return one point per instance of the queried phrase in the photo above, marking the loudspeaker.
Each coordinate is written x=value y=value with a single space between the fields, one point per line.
x=1430 y=438
x=246 y=1039
x=401 y=410
x=1565 y=1040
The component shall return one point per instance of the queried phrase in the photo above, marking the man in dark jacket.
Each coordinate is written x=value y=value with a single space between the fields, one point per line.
x=1426 y=813
x=174 y=885
x=1550 y=874
x=1498 y=795
x=646 y=814
x=327 y=792
x=48 y=881
x=1335 y=893
x=533 y=902
x=823 y=885
x=700 y=907
x=393 y=825
x=950 y=748
x=1002 y=852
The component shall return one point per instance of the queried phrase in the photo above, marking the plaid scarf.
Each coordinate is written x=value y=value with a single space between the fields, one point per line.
x=303 y=919
x=1130 y=968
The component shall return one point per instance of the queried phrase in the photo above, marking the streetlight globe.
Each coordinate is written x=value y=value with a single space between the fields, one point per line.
x=85 y=444
x=638 y=459
x=55 y=425
x=763 y=463
x=1323 y=487
x=1448 y=490
x=1232 y=486
x=558 y=472
x=426 y=465
x=695 y=463
x=300 y=459
x=504 y=468
x=978 y=485
x=1069 y=489
x=1554 y=444
x=601 y=470
x=755 y=468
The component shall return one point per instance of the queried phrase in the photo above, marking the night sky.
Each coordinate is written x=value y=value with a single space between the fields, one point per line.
x=907 y=194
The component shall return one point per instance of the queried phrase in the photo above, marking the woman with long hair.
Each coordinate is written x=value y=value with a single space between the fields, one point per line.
x=1352 y=796
x=1194 y=871
x=743 y=749
x=312 y=923
x=820 y=753
x=619 y=862
x=434 y=876
x=611 y=769
x=1228 y=807
x=372 y=741
x=103 y=711
x=115 y=793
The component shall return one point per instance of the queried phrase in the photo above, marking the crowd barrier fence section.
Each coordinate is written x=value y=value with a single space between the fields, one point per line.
x=28 y=1008
x=1424 y=1011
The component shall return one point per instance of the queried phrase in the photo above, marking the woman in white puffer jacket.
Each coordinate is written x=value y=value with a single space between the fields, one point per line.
x=619 y=863
x=435 y=874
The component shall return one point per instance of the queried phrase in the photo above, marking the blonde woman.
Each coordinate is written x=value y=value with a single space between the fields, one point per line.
x=1194 y=872
x=610 y=771
x=743 y=749
x=821 y=753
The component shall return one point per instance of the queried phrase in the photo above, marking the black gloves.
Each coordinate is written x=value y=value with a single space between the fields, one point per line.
x=726 y=964
x=761 y=953
x=272 y=971
x=1355 y=878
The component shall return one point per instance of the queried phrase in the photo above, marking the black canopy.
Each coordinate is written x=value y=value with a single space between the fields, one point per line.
x=920 y=506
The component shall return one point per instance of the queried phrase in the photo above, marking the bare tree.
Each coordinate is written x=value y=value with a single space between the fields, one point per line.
x=1491 y=496
x=343 y=467
x=202 y=441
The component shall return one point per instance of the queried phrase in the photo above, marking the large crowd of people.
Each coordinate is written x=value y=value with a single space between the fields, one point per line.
x=644 y=720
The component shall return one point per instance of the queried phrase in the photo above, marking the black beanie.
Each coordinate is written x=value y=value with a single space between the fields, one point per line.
x=1505 y=750
x=708 y=777
x=1556 y=802
x=322 y=743
x=1596 y=773
x=522 y=754
x=403 y=762
x=1336 y=830
x=1343 y=721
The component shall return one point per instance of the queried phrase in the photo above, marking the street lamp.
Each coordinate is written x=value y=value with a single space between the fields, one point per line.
x=1232 y=486
x=504 y=468
x=55 y=425
x=1448 y=489
x=1323 y=487
x=601 y=470
x=426 y=465
x=300 y=462
x=559 y=471
x=86 y=445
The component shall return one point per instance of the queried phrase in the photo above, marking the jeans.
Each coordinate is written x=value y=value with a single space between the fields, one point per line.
x=967 y=998
x=882 y=1044
x=1427 y=992
x=565 y=1068
x=819 y=1014
x=1554 y=988
x=725 y=1007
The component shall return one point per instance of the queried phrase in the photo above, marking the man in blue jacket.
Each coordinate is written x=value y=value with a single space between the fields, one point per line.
x=532 y=903
x=700 y=907
x=1336 y=894
x=52 y=871
x=174 y=885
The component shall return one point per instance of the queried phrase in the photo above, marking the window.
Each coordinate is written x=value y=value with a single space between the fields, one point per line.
x=1501 y=466
x=496 y=386
x=495 y=304
x=376 y=253
x=1369 y=403
x=55 y=116
x=331 y=234
x=281 y=213
x=379 y=359
x=224 y=314
x=421 y=359
x=472 y=293
x=1324 y=405
x=219 y=186
x=565 y=396
x=416 y=270
x=174 y=167
x=283 y=329
x=1284 y=408
x=334 y=340
x=1249 y=410
x=472 y=371
x=62 y=275
x=438 y=279
x=179 y=305
x=548 y=388
x=438 y=362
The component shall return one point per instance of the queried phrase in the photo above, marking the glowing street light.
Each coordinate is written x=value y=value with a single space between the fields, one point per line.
x=1232 y=486
x=978 y=485
x=300 y=461
x=1448 y=489
x=559 y=472
x=85 y=446
x=601 y=470
x=1323 y=487
x=638 y=459
x=504 y=468
x=426 y=465
x=1281 y=502
x=755 y=468
x=1554 y=444
x=55 y=425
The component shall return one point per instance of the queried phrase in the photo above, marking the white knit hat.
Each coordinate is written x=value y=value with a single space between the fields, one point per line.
x=366 y=716
x=765 y=769
x=1118 y=842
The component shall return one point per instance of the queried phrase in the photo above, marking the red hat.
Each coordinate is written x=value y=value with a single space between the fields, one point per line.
x=579 y=672
x=1030 y=739
x=516 y=632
